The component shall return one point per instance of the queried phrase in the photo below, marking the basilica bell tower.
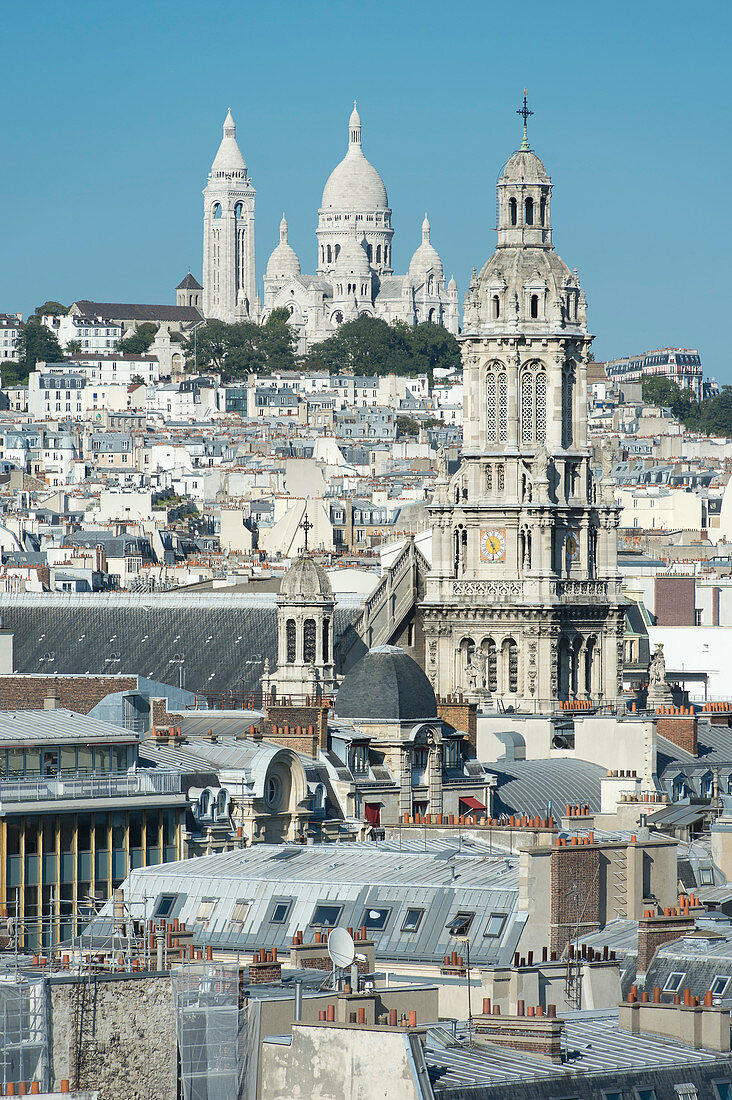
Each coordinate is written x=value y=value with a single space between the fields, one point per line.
x=229 y=281
x=522 y=604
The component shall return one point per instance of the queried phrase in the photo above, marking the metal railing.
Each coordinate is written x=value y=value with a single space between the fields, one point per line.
x=89 y=786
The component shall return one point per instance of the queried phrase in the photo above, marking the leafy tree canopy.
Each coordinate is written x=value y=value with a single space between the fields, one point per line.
x=51 y=309
x=139 y=342
x=713 y=417
x=369 y=345
x=37 y=343
x=244 y=348
x=14 y=374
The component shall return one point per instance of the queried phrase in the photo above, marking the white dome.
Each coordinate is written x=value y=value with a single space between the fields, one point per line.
x=354 y=185
x=283 y=261
x=352 y=258
x=426 y=257
x=228 y=159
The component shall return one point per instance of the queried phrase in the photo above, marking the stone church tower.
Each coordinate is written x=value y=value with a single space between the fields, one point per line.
x=305 y=608
x=229 y=286
x=522 y=603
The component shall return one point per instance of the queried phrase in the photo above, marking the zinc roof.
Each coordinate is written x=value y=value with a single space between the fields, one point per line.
x=57 y=725
x=356 y=878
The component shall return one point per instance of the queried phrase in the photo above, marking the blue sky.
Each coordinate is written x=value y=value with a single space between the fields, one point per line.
x=112 y=115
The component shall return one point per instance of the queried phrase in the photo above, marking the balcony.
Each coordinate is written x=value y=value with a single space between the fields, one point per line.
x=66 y=787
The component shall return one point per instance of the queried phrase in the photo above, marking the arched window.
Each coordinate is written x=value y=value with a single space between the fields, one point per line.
x=491 y=664
x=326 y=640
x=337 y=251
x=496 y=307
x=330 y=254
x=490 y=407
x=533 y=404
x=529 y=211
x=502 y=408
x=534 y=305
x=309 y=651
x=378 y=253
x=512 y=212
x=217 y=212
x=370 y=252
x=290 y=636
x=542 y=210
x=238 y=210
x=431 y=317
x=510 y=656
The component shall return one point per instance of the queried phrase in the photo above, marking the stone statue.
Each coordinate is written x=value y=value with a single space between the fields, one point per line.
x=442 y=464
x=659 y=691
x=476 y=670
x=657 y=668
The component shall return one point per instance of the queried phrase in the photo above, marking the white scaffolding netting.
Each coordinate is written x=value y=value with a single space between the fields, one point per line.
x=23 y=1030
x=206 y=1003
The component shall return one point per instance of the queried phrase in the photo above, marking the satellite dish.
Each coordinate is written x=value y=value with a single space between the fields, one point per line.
x=340 y=947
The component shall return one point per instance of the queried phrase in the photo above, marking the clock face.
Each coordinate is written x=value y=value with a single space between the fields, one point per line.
x=493 y=544
x=572 y=545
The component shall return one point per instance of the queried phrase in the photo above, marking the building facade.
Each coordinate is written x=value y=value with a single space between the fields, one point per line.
x=522 y=600
x=355 y=275
x=229 y=289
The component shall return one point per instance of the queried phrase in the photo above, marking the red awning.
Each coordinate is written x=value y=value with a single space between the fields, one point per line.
x=372 y=813
x=472 y=803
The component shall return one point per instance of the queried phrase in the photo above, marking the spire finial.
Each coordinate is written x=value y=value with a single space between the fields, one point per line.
x=354 y=127
x=525 y=114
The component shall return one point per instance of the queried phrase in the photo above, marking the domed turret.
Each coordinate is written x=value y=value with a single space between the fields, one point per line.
x=306 y=580
x=426 y=257
x=283 y=262
x=386 y=685
x=352 y=258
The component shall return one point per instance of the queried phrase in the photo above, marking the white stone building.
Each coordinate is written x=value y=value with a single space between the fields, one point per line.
x=355 y=275
x=10 y=326
x=522 y=603
x=94 y=334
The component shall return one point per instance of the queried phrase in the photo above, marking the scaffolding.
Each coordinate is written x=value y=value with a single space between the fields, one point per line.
x=23 y=1030
x=206 y=1005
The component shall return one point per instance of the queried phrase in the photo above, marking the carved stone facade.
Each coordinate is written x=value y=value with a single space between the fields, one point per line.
x=522 y=603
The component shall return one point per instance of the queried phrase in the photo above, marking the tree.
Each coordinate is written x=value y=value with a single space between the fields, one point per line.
x=407 y=425
x=73 y=347
x=51 y=309
x=37 y=343
x=13 y=374
x=367 y=345
x=139 y=342
x=433 y=346
x=278 y=339
x=137 y=380
x=665 y=392
x=232 y=350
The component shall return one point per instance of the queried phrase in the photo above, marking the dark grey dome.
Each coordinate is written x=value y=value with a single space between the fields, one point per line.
x=386 y=685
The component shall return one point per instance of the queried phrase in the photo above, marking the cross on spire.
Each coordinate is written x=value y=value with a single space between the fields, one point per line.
x=525 y=114
x=306 y=526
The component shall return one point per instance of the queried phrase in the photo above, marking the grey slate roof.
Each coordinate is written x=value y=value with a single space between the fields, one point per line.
x=386 y=685
x=222 y=640
x=139 y=312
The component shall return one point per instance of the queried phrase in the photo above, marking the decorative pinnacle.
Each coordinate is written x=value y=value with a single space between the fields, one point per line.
x=525 y=114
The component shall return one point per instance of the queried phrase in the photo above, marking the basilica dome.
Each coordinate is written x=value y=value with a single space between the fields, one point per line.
x=426 y=258
x=283 y=262
x=386 y=685
x=354 y=185
x=306 y=580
